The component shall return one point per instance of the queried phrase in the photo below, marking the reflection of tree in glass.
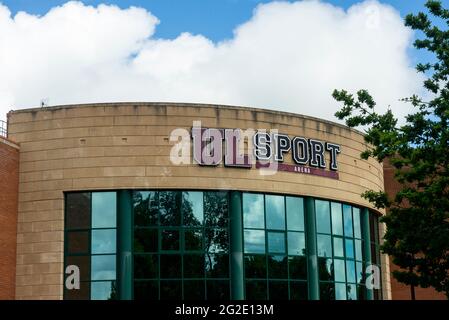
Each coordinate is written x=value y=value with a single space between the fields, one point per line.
x=187 y=210
x=145 y=208
x=325 y=273
x=113 y=295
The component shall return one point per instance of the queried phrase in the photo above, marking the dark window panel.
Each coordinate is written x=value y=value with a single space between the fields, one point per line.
x=325 y=269
x=256 y=290
x=170 y=266
x=78 y=242
x=78 y=210
x=83 y=293
x=192 y=209
x=193 y=239
x=193 y=266
x=146 y=208
x=298 y=267
x=298 y=290
x=218 y=290
x=327 y=291
x=361 y=292
x=145 y=240
x=145 y=266
x=275 y=212
x=216 y=240
x=170 y=240
x=216 y=209
x=217 y=266
x=83 y=263
x=277 y=267
x=255 y=266
x=194 y=290
x=171 y=290
x=278 y=290
x=146 y=290
x=103 y=290
x=169 y=208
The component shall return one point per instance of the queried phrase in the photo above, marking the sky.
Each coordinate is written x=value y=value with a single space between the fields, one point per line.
x=285 y=55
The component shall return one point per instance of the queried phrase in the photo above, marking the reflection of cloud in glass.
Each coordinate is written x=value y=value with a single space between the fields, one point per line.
x=103 y=267
x=296 y=243
x=253 y=209
x=254 y=241
x=295 y=213
x=339 y=270
x=103 y=241
x=275 y=211
x=323 y=224
x=104 y=210
x=276 y=242
x=324 y=246
x=101 y=290
x=340 y=291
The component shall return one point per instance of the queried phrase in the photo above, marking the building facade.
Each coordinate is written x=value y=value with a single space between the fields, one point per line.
x=169 y=201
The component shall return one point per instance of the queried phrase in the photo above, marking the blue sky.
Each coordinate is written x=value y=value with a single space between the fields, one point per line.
x=286 y=56
x=214 y=19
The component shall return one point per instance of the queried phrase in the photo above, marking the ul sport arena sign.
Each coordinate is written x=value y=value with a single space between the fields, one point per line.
x=264 y=150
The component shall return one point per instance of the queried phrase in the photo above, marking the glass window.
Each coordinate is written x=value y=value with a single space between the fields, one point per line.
x=347 y=218
x=256 y=290
x=325 y=269
x=170 y=214
x=296 y=243
x=145 y=266
x=103 y=267
x=103 y=290
x=78 y=210
x=297 y=267
x=170 y=266
x=78 y=242
x=339 y=270
x=351 y=291
x=218 y=290
x=295 y=213
x=324 y=245
x=359 y=274
x=192 y=208
x=171 y=289
x=103 y=241
x=278 y=290
x=145 y=240
x=276 y=242
x=338 y=247
x=350 y=271
x=275 y=211
x=216 y=240
x=340 y=291
x=349 y=247
x=146 y=290
x=357 y=226
x=217 y=265
x=277 y=267
x=254 y=241
x=298 y=290
x=170 y=240
x=193 y=266
x=104 y=209
x=323 y=224
x=193 y=239
x=216 y=209
x=358 y=250
x=337 y=223
x=146 y=208
x=255 y=266
x=194 y=289
x=253 y=211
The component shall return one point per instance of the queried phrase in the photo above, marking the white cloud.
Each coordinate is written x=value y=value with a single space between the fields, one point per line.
x=288 y=56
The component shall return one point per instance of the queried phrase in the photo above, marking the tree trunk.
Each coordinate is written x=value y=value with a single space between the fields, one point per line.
x=412 y=292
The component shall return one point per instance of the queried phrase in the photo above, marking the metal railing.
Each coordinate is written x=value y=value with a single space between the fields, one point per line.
x=3 y=129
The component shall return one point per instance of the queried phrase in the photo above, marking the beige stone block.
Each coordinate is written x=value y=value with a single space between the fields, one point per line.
x=124 y=171
x=47 y=290
x=44 y=247
x=24 y=291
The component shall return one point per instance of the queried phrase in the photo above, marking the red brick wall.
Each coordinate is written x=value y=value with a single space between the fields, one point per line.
x=400 y=291
x=9 y=181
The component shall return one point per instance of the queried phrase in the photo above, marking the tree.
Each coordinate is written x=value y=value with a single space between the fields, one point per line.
x=417 y=236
